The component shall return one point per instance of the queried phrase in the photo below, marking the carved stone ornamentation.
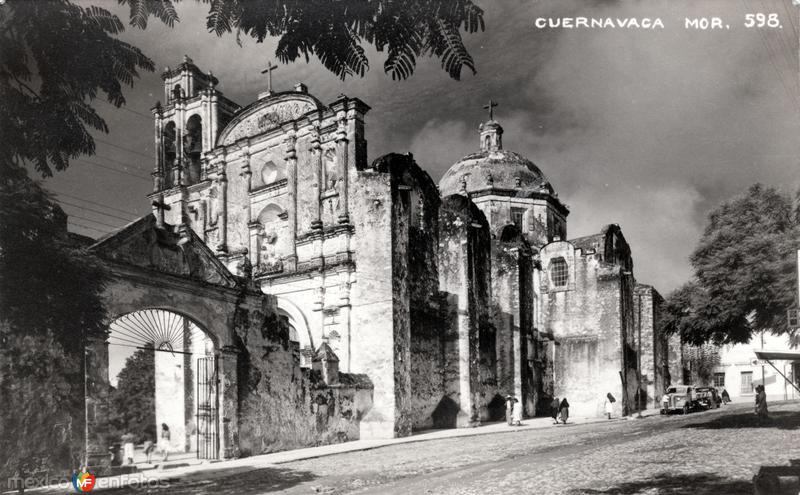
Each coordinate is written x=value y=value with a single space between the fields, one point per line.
x=266 y=119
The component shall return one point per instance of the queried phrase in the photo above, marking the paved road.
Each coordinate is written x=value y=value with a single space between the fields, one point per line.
x=711 y=452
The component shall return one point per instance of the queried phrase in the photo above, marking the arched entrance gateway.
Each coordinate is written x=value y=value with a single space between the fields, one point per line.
x=169 y=297
x=163 y=371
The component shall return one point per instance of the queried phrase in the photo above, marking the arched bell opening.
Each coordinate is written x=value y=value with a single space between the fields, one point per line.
x=193 y=148
x=170 y=153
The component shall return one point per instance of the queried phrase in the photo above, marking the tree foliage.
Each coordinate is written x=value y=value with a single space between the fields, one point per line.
x=744 y=267
x=132 y=406
x=56 y=58
x=336 y=31
x=50 y=295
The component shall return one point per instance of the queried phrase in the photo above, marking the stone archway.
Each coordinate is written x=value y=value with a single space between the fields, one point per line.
x=154 y=268
x=175 y=356
x=299 y=328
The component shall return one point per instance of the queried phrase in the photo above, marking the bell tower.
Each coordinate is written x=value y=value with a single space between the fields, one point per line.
x=186 y=127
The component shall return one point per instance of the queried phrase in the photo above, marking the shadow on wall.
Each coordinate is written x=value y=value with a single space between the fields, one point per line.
x=782 y=420
x=689 y=484
x=445 y=414
x=497 y=408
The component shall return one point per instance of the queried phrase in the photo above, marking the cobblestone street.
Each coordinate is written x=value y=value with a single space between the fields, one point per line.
x=708 y=452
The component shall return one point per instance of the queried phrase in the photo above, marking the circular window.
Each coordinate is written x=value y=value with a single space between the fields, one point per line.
x=269 y=173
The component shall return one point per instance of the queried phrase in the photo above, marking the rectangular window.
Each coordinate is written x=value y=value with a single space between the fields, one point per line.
x=747 y=382
x=719 y=379
x=516 y=217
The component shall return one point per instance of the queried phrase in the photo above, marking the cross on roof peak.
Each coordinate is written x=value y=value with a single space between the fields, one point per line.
x=490 y=106
x=268 y=70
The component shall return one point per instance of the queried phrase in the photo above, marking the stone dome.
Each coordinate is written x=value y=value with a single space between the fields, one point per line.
x=493 y=168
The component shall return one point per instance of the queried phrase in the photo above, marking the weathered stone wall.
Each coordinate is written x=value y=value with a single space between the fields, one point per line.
x=465 y=280
x=512 y=314
x=590 y=317
x=373 y=300
x=675 y=360
x=647 y=302
x=266 y=401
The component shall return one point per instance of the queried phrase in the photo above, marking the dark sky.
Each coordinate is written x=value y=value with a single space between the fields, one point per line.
x=647 y=129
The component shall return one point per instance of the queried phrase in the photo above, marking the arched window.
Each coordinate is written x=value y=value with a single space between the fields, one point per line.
x=559 y=272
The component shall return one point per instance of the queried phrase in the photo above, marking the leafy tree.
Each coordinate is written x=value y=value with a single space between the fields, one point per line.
x=744 y=268
x=336 y=31
x=56 y=58
x=50 y=295
x=132 y=407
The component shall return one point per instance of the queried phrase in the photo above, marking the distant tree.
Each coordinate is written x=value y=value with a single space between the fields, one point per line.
x=745 y=274
x=337 y=30
x=50 y=299
x=132 y=407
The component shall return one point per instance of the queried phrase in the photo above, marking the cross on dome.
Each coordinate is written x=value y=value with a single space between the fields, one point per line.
x=490 y=106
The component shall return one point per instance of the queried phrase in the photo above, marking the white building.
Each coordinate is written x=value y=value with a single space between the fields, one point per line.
x=739 y=371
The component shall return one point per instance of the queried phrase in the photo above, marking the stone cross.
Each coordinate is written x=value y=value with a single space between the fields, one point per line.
x=268 y=70
x=160 y=206
x=490 y=107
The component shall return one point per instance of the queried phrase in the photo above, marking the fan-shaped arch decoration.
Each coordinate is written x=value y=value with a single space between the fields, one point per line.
x=159 y=329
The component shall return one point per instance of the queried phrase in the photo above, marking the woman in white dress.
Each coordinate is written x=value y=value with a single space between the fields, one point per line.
x=163 y=442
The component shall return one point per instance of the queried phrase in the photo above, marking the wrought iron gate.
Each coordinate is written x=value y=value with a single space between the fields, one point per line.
x=207 y=408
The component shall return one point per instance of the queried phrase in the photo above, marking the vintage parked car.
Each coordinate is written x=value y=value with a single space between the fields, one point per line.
x=679 y=398
x=707 y=397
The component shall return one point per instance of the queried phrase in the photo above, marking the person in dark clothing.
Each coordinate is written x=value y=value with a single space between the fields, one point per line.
x=563 y=409
x=725 y=396
x=554 y=410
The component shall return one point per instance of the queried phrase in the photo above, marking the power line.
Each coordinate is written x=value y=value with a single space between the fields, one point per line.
x=115 y=227
x=95 y=211
x=98 y=204
x=87 y=162
x=148 y=117
x=126 y=164
x=88 y=227
x=123 y=148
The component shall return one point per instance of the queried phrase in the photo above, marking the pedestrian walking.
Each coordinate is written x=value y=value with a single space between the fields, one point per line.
x=149 y=447
x=517 y=413
x=609 y=405
x=563 y=409
x=554 y=410
x=665 y=403
x=509 y=409
x=163 y=443
x=127 y=448
x=725 y=396
x=761 y=403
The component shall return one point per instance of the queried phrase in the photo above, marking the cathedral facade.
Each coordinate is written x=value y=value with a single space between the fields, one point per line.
x=446 y=298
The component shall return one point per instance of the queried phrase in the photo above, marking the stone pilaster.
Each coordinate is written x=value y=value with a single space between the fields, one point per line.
x=316 y=162
x=468 y=350
x=341 y=160
x=291 y=168
x=222 y=180
x=96 y=399
x=229 y=402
